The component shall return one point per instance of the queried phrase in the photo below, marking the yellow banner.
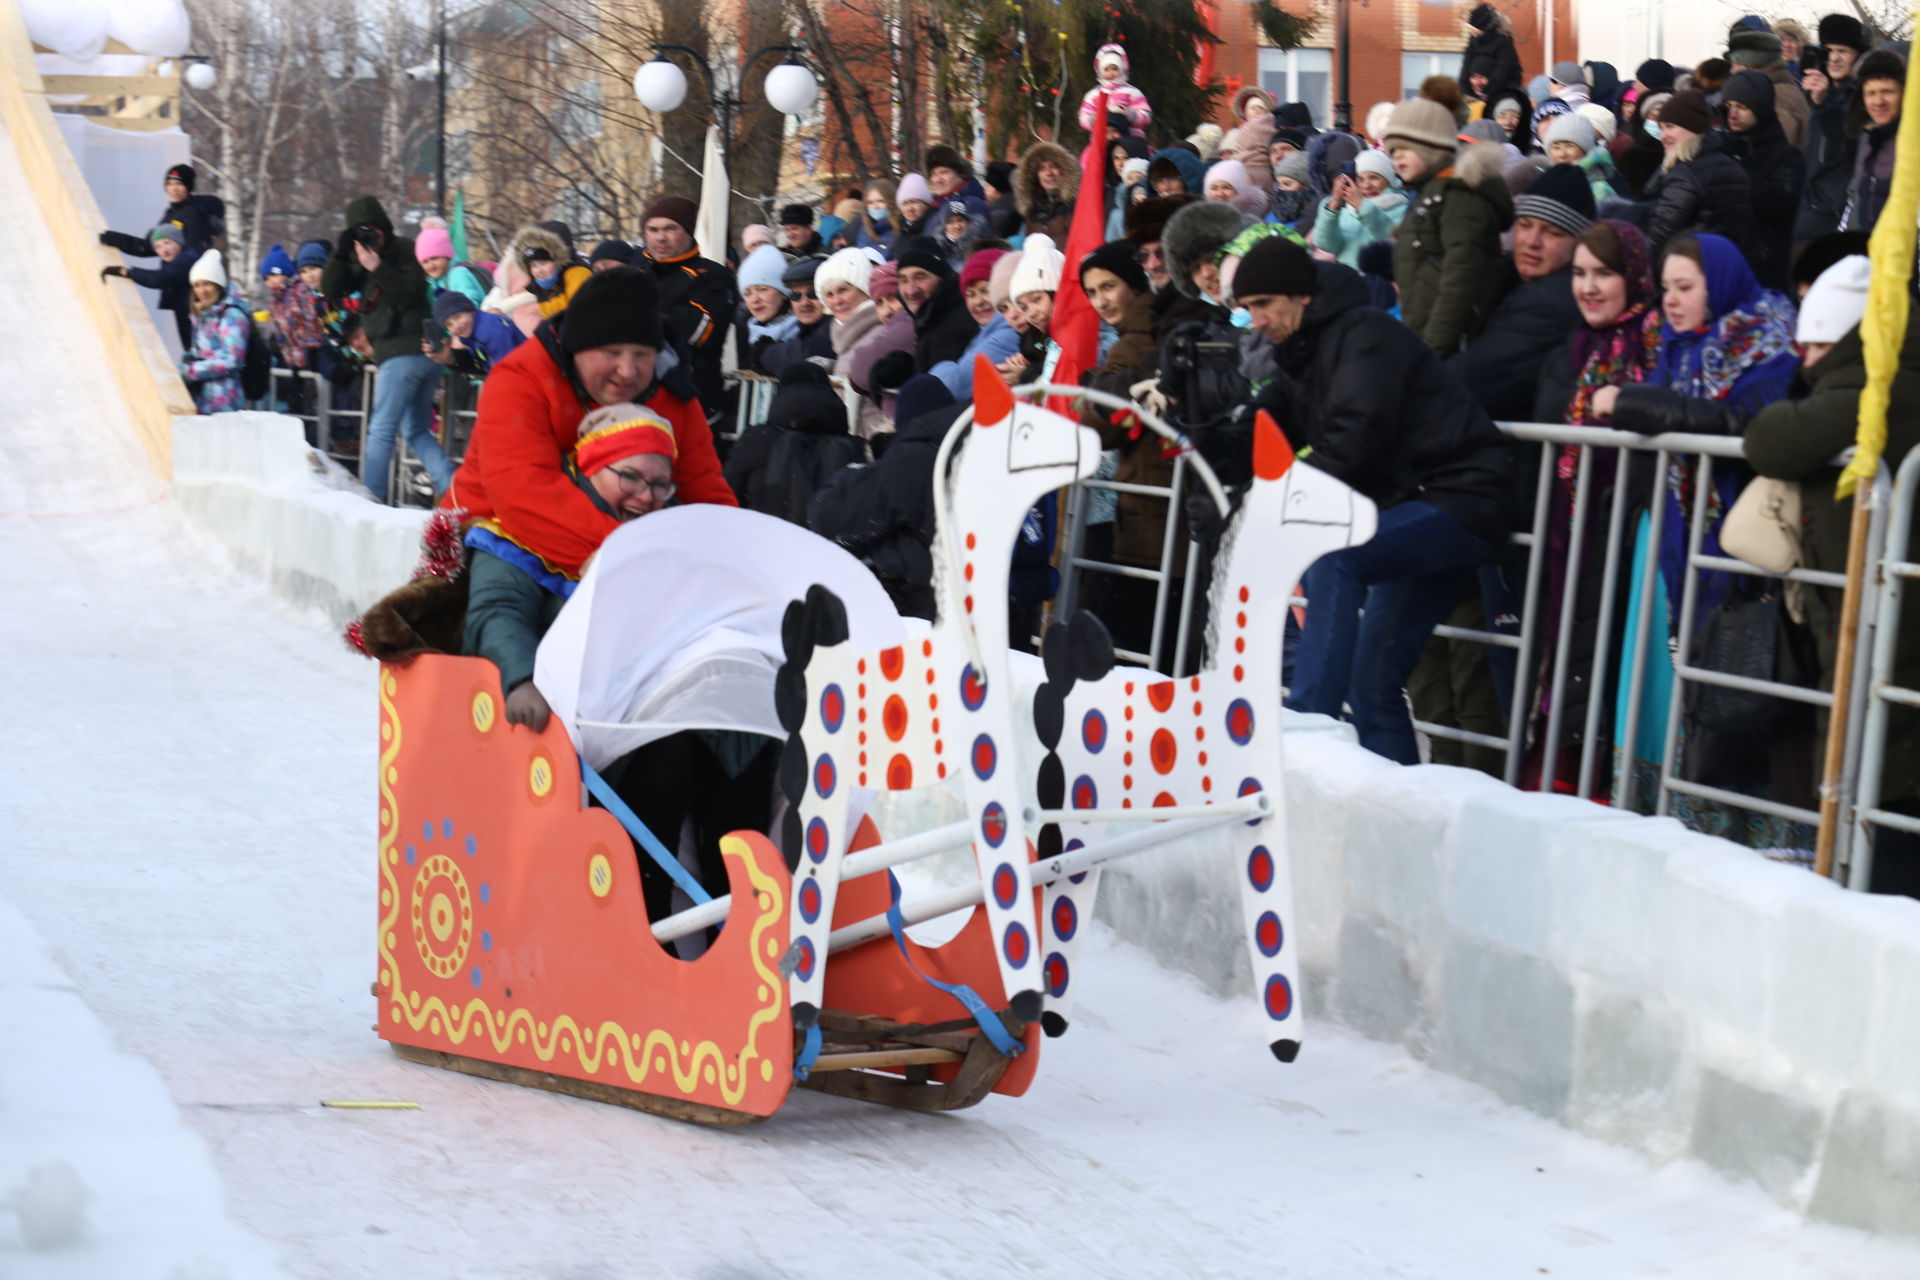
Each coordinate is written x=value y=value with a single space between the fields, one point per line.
x=1884 y=327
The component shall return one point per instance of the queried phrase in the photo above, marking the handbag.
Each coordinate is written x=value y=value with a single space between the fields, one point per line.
x=1763 y=527
x=1750 y=636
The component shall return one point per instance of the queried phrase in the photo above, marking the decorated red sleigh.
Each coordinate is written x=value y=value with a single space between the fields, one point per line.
x=513 y=941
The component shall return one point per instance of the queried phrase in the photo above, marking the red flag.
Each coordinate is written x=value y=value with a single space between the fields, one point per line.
x=1075 y=326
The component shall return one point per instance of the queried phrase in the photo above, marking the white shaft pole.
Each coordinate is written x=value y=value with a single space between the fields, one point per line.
x=1045 y=871
x=855 y=865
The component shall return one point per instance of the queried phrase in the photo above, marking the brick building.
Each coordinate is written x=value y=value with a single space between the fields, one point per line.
x=1395 y=45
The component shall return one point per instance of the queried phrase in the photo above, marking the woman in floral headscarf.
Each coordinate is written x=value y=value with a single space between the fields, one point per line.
x=1726 y=351
x=1616 y=344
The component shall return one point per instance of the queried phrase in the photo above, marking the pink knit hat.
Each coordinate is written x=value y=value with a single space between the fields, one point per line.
x=433 y=243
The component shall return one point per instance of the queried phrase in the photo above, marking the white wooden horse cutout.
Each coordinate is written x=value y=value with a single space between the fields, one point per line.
x=1132 y=739
x=910 y=717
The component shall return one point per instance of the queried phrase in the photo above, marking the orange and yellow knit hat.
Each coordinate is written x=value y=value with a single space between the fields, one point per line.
x=617 y=431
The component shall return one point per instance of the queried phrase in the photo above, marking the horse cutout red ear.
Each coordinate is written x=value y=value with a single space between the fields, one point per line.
x=1272 y=455
x=992 y=397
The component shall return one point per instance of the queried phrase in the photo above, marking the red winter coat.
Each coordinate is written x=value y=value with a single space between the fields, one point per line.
x=528 y=422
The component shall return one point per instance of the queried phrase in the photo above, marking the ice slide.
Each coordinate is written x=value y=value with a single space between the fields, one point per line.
x=186 y=823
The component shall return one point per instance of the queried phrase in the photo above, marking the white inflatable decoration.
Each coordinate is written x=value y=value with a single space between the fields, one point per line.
x=76 y=28
x=156 y=28
x=79 y=29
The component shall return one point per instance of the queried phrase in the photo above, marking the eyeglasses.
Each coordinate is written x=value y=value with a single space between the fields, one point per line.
x=632 y=482
x=803 y=295
x=1149 y=255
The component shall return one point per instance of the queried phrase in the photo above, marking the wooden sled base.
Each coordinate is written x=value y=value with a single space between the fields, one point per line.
x=672 y=1108
x=856 y=1044
x=859 y=1051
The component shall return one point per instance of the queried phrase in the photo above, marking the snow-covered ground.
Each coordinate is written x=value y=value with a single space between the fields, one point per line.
x=186 y=910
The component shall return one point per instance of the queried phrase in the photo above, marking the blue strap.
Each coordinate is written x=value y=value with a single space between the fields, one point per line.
x=990 y=1024
x=638 y=830
x=809 y=1053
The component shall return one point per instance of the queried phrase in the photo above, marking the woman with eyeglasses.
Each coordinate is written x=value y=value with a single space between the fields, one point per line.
x=623 y=463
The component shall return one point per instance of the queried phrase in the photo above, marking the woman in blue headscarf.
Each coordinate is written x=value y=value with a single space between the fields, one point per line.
x=1726 y=351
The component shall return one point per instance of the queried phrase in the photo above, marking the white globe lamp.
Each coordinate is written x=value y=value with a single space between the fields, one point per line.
x=791 y=89
x=200 y=76
x=660 y=85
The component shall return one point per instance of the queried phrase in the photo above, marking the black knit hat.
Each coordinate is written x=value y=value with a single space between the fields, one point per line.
x=617 y=250
x=1690 y=110
x=796 y=215
x=1561 y=196
x=1116 y=256
x=923 y=252
x=805 y=401
x=1844 y=28
x=618 y=305
x=1276 y=266
x=1000 y=174
x=1481 y=19
x=1656 y=74
x=183 y=172
x=942 y=156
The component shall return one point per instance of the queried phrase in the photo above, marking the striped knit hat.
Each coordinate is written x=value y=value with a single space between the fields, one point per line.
x=617 y=431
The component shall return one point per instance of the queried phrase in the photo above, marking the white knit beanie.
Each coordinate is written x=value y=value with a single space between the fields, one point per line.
x=1836 y=302
x=764 y=265
x=913 y=187
x=1572 y=127
x=1605 y=123
x=209 y=268
x=1040 y=268
x=1373 y=160
x=845 y=266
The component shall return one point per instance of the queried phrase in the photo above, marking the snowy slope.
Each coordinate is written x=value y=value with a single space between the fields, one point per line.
x=187 y=824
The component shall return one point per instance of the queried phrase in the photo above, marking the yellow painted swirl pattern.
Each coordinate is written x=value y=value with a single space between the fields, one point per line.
x=609 y=1044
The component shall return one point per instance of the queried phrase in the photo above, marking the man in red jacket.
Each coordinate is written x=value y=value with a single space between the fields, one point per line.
x=608 y=348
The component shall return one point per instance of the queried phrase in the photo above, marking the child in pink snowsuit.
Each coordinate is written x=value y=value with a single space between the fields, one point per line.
x=1110 y=67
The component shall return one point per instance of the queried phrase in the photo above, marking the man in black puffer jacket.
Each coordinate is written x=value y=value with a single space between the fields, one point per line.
x=882 y=511
x=1776 y=172
x=1415 y=443
x=778 y=465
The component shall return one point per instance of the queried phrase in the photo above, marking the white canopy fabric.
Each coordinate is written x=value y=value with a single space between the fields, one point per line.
x=676 y=625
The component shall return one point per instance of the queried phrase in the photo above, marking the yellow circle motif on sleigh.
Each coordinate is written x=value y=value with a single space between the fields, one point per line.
x=441 y=908
x=483 y=711
x=600 y=875
x=540 y=777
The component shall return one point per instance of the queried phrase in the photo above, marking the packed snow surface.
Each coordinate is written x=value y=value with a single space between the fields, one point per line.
x=186 y=942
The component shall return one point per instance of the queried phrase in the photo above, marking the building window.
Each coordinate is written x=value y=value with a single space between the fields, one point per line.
x=1417 y=66
x=1300 y=75
x=577 y=117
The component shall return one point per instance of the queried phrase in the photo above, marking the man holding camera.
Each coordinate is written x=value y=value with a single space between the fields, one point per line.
x=373 y=273
x=1827 y=76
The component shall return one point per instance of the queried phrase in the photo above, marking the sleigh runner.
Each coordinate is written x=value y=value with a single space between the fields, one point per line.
x=513 y=941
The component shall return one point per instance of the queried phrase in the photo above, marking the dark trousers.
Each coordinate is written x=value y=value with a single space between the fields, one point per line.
x=1370 y=610
x=677 y=778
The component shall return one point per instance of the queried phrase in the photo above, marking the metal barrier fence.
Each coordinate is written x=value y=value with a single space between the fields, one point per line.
x=754 y=401
x=1878 y=687
x=1535 y=737
x=1872 y=698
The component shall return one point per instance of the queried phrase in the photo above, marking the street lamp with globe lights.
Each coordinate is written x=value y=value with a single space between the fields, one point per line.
x=789 y=88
